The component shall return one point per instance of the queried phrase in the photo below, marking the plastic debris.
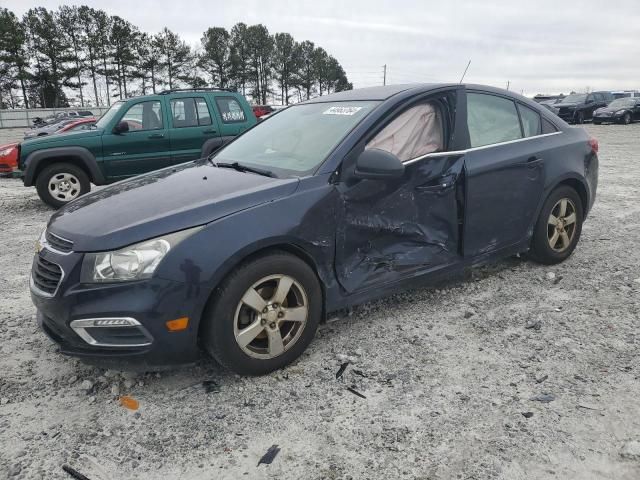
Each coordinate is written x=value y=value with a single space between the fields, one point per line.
x=268 y=457
x=211 y=386
x=341 y=370
x=544 y=398
x=129 y=402
x=74 y=473
x=355 y=392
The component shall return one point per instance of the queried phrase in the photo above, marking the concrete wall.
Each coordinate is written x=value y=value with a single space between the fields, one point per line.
x=23 y=118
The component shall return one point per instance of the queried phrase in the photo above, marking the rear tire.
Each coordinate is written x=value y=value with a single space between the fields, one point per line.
x=59 y=183
x=558 y=228
x=246 y=327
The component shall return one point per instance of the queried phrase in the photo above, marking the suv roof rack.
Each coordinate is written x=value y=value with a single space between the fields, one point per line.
x=199 y=89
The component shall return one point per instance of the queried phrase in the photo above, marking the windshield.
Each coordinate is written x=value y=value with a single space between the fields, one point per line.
x=295 y=141
x=108 y=115
x=574 y=98
x=623 y=102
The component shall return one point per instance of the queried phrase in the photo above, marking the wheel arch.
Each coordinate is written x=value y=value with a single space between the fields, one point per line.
x=580 y=187
x=255 y=251
x=78 y=156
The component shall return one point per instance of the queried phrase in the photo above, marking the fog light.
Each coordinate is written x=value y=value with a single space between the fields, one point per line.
x=113 y=322
x=178 y=324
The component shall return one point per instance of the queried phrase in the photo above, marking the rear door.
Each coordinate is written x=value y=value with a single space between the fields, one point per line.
x=145 y=147
x=505 y=172
x=192 y=125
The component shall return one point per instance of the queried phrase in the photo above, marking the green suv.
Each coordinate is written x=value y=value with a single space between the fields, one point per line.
x=134 y=136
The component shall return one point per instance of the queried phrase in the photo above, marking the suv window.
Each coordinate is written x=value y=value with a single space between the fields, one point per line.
x=491 y=119
x=230 y=110
x=190 y=112
x=144 y=116
x=599 y=97
x=530 y=121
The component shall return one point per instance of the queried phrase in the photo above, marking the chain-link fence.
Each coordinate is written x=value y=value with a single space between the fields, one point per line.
x=20 y=118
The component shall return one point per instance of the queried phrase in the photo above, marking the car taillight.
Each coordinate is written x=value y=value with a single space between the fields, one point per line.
x=593 y=143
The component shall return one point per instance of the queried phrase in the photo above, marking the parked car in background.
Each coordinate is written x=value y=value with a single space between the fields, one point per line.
x=8 y=159
x=579 y=107
x=622 y=110
x=331 y=202
x=626 y=93
x=261 y=110
x=134 y=136
x=66 y=125
x=56 y=118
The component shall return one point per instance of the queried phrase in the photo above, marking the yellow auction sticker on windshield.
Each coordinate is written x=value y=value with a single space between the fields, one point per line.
x=341 y=110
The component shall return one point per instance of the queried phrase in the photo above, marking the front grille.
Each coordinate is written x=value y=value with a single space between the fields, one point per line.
x=58 y=243
x=46 y=275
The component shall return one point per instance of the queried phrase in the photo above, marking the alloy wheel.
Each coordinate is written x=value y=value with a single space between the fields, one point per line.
x=271 y=316
x=561 y=226
x=64 y=186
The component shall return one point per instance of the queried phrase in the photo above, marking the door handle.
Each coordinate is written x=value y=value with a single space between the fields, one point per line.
x=156 y=135
x=208 y=131
x=533 y=162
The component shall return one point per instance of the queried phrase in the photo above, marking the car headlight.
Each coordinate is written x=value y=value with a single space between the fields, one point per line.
x=620 y=112
x=134 y=262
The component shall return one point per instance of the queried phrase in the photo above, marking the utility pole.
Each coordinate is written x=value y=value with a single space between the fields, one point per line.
x=384 y=74
x=508 y=83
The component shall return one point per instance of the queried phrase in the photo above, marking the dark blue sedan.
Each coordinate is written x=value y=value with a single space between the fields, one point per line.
x=329 y=203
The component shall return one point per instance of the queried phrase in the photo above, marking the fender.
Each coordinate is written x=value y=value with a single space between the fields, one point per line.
x=213 y=144
x=79 y=154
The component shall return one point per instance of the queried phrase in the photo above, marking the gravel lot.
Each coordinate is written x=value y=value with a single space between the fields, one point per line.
x=448 y=375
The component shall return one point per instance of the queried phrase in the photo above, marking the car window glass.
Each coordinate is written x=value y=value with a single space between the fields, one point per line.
x=144 y=116
x=415 y=132
x=204 y=116
x=491 y=119
x=599 y=97
x=548 y=127
x=183 y=112
x=530 y=121
x=230 y=110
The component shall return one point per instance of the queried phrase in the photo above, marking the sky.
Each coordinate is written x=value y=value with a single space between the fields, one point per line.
x=540 y=46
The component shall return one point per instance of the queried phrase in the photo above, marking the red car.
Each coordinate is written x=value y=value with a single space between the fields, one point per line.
x=260 y=110
x=9 y=157
x=9 y=152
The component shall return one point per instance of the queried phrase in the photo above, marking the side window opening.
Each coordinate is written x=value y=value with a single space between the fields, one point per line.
x=204 y=116
x=548 y=127
x=531 y=123
x=417 y=131
x=491 y=119
x=144 y=116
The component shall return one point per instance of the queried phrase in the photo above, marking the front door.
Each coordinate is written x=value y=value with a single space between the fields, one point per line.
x=145 y=147
x=393 y=229
x=193 y=126
x=504 y=173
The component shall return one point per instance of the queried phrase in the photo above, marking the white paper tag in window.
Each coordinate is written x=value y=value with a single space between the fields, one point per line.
x=341 y=110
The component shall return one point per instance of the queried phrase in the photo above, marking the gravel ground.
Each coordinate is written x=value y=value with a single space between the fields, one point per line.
x=450 y=376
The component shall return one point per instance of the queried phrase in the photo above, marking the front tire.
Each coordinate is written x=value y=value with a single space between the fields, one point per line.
x=558 y=228
x=626 y=119
x=264 y=315
x=60 y=183
x=579 y=118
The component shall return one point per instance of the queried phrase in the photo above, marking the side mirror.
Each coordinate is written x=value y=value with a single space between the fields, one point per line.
x=376 y=164
x=121 y=127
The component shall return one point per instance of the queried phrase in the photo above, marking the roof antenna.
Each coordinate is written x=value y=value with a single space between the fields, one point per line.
x=465 y=71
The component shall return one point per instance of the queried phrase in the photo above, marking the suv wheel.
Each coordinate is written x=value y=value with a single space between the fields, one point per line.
x=264 y=315
x=580 y=118
x=558 y=227
x=60 y=183
x=626 y=119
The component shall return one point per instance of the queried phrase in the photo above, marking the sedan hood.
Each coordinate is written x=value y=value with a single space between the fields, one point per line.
x=162 y=202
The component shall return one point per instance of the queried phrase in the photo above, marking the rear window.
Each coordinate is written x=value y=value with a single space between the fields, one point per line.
x=491 y=119
x=230 y=110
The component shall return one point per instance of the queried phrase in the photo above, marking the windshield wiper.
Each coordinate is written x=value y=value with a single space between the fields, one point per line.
x=243 y=168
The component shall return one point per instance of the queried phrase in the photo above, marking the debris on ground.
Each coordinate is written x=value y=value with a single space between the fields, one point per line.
x=542 y=378
x=543 y=397
x=527 y=414
x=341 y=370
x=211 y=386
x=535 y=324
x=355 y=392
x=74 y=473
x=129 y=402
x=268 y=457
